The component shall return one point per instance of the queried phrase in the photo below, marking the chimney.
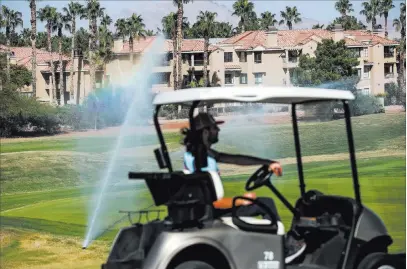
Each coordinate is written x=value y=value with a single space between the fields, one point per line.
x=118 y=44
x=338 y=32
x=271 y=37
x=378 y=31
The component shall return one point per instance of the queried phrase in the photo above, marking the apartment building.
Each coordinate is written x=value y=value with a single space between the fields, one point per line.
x=264 y=58
x=121 y=68
x=251 y=58
x=269 y=57
x=82 y=85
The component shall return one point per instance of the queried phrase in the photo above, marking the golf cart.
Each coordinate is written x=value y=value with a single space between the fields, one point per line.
x=340 y=232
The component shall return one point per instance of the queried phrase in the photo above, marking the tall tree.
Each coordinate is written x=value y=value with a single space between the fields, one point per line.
x=150 y=32
x=384 y=7
x=370 y=11
x=344 y=7
x=92 y=12
x=33 y=37
x=290 y=16
x=223 y=29
x=169 y=25
x=245 y=10
x=206 y=29
x=73 y=11
x=135 y=31
x=348 y=23
x=61 y=23
x=267 y=19
x=180 y=16
x=106 y=20
x=104 y=53
x=121 y=28
x=11 y=20
x=400 y=25
x=47 y=14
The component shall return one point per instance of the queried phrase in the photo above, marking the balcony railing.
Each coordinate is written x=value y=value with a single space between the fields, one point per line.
x=291 y=60
x=389 y=75
x=196 y=62
x=388 y=55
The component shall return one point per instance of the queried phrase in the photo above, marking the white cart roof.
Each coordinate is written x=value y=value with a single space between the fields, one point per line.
x=277 y=95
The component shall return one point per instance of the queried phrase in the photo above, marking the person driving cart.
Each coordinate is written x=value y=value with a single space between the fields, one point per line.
x=207 y=130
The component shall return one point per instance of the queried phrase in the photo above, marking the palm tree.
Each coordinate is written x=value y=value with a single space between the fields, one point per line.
x=370 y=11
x=169 y=24
x=25 y=38
x=384 y=7
x=290 y=16
x=92 y=12
x=33 y=38
x=106 y=20
x=135 y=30
x=245 y=10
x=400 y=25
x=47 y=14
x=318 y=26
x=206 y=29
x=11 y=20
x=267 y=19
x=344 y=6
x=223 y=29
x=73 y=10
x=60 y=23
x=180 y=16
x=150 y=33
x=121 y=28
x=104 y=53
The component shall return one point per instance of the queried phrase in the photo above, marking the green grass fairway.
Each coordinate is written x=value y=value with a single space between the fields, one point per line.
x=63 y=212
x=47 y=183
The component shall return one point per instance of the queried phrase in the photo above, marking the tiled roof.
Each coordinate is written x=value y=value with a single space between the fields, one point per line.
x=292 y=38
x=188 y=45
x=23 y=57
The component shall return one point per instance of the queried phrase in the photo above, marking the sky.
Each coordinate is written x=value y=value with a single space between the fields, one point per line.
x=312 y=12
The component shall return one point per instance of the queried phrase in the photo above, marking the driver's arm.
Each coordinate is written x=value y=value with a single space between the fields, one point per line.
x=238 y=159
x=245 y=160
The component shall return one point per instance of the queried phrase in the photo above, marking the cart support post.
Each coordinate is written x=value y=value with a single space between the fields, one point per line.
x=352 y=152
x=298 y=150
x=161 y=138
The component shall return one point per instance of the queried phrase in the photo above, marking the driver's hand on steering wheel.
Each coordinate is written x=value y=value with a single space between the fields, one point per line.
x=276 y=168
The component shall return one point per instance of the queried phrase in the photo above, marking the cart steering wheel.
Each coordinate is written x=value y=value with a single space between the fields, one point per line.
x=259 y=178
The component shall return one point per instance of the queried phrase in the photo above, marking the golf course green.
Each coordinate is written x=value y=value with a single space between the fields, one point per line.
x=47 y=183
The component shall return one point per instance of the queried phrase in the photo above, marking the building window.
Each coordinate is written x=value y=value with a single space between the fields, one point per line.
x=365 y=91
x=229 y=78
x=359 y=72
x=228 y=57
x=243 y=78
x=366 y=72
x=257 y=57
x=258 y=78
x=365 y=52
x=355 y=52
x=243 y=57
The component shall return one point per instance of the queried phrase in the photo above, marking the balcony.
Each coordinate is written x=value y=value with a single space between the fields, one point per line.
x=389 y=77
x=388 y=54
x=291 y=62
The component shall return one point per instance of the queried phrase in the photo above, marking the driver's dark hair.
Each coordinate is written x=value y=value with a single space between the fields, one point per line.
x=187 y=139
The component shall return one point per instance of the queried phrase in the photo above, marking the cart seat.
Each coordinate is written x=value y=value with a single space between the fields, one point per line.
x=251 y=220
